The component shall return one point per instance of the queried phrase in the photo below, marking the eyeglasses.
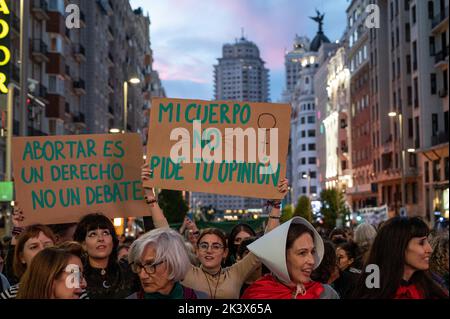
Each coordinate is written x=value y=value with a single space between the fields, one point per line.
x=214 y=247
x=149 y=268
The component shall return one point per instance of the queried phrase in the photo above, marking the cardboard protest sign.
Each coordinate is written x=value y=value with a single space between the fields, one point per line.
x=58 y=179
x=222 y=147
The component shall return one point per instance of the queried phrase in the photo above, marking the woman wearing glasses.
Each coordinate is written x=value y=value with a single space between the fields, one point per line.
x=108 y=278
x=161 y=261
x=210 y=278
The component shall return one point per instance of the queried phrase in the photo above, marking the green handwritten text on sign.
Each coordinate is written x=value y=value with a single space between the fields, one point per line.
x=60 y=178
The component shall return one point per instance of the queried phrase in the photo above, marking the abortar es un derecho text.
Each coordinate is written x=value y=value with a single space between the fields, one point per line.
x=110 y=176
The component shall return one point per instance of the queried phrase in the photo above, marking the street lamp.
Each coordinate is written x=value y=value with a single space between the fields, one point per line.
x=133 y=80
x=399 y=116
x=308 y=177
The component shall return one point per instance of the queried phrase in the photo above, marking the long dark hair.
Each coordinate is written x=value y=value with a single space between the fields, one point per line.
x=326 y=268
x=93 y=222
x=232 y=248
x=388 y=253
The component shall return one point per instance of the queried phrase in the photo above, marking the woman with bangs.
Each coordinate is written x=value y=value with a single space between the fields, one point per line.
x=108 y=278
x=26 y=246
x=402 y=253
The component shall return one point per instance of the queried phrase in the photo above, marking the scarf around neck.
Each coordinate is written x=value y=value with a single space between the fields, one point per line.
x=176 y=293
x=268 y=287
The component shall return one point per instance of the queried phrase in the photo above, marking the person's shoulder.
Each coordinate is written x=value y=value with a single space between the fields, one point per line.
x=10 y=293
x=329 y=292
x=4 y=283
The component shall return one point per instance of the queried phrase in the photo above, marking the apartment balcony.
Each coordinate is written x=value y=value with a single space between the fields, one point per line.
x=441 y=59
x=39 y=9
x=38 y=50
x=440 y=22
x=79 y=87
x=56 y=64
x=79 y=120
x=440 y=138
x=56 y=106
x=56 y=24
x=15 y=23
x=79 y=53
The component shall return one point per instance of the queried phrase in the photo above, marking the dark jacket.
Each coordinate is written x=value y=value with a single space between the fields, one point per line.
x=117 y=282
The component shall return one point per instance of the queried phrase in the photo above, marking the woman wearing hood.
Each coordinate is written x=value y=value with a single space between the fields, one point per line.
x=292 y=266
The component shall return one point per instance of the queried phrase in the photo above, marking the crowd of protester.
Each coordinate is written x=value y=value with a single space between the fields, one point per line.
x=293 y=260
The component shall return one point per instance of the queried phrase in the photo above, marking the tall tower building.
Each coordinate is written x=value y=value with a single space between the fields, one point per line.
x=240 y=75
x=303 y=123
x=293 y=64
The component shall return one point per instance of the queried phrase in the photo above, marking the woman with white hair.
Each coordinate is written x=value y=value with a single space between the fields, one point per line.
x=364 y=235
x=161 y=261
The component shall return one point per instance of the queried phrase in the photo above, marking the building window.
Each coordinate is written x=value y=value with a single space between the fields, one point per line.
x=427 y=172
x=414 y=193
x=432 y=46
x=303 y=190
x=446 y=168
x=417 y=138
x=410 y=128
x=303 y=160
x=311 y=133
x=413 y=13
x=311 y=120
x=312 y=160
x=408 y=32
x=414 y=56
x=412 y=160
x=409 y=92
x=430 y=10
x=433 y=83
x=303 y=147
x=446 y=122
x=436 y=171
x=311 y=147
x=434 y=124
x=313 y=174
x=416 y=93
x=408 y=64
x=303 y=133
x=302 y=120
x=313 y=189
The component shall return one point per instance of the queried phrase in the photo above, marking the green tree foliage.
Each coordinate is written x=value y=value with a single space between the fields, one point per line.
x=286 y=213
x=333 y=206
x=173 y=205
x=303 y=208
